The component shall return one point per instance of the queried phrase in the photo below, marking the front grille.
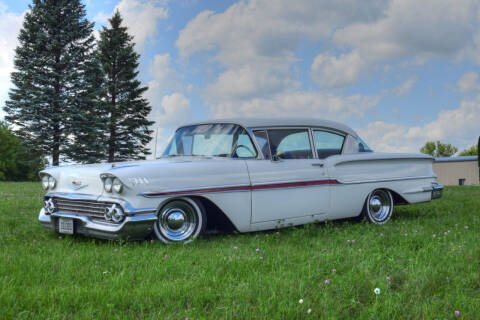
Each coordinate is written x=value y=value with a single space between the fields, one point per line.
x=93 y=209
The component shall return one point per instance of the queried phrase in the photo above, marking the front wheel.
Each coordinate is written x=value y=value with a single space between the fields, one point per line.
x=378 y=207
x=180 y=220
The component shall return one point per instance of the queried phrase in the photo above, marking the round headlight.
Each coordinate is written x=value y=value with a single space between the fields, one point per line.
x=51 y=182
x=108 y=184
x=45 y=182
x=117 y=185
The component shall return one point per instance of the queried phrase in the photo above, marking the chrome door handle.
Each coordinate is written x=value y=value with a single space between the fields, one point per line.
x=317 y=165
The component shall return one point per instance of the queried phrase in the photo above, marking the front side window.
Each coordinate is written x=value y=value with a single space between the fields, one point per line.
x=217 y=140
x=327 y=143
x=290 y=143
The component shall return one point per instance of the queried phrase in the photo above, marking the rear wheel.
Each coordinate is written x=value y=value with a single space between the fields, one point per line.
x=378 y=207
x=180 y=220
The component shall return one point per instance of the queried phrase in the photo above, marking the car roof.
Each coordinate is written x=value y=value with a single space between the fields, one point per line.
x=281 y=122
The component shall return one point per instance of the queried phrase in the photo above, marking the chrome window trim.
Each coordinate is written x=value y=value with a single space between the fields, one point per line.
x=286 y=128
x=340 y=133
x=313 y=145
x=260 y=155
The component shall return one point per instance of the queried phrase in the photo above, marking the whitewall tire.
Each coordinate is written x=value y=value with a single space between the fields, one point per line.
x=180 y=220
x=378 y=207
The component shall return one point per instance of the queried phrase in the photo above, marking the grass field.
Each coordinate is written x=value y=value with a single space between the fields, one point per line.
x=426 y=263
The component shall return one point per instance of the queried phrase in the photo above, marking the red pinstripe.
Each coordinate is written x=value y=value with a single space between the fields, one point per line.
x=247 y=188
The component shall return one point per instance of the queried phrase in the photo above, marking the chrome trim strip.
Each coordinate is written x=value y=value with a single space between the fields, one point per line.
x=257 y=187
x=384 y=158
x=73 y=196
x=385 y=180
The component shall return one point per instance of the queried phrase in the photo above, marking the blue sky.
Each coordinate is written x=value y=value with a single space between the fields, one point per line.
x=399 y=72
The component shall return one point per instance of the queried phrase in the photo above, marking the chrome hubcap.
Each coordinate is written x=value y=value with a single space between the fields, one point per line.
x=379 y=205
x=177 y=221
x=375 y=204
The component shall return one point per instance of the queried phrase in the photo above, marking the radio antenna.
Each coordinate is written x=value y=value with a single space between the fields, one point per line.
x=155 y=150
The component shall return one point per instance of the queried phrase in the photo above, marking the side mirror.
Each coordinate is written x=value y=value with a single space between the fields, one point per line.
x=278 y=156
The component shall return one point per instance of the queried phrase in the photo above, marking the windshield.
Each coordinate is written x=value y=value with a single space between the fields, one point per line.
x=216 y=140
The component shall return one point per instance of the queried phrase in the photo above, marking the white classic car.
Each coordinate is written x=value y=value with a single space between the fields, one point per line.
x=237 y=174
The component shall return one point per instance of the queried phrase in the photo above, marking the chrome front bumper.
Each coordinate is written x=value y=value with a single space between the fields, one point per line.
x=135 y=227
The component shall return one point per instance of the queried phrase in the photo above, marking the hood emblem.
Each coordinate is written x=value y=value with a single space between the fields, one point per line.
x=77 y=184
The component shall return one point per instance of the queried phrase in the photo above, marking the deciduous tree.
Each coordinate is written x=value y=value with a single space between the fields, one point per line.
x=16 y=162
x=472 y=151
x=438 y=149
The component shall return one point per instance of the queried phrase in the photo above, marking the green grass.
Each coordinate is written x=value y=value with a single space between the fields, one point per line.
x=45 y=276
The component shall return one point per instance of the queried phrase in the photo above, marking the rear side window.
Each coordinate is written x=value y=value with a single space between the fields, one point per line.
x=290 y=143
x=327 y=143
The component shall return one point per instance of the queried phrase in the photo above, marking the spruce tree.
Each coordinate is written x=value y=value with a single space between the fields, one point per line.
x=128 y=126
x=52 y=81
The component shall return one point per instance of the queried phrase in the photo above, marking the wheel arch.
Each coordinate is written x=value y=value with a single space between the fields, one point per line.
x=217 y=220
x=397 y=198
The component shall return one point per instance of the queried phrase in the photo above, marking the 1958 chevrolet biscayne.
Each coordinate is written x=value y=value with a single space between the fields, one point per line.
x=237 y=174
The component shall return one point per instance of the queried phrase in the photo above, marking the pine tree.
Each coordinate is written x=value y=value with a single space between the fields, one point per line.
x=128 y=125
x=53 y=65
x=88 y=121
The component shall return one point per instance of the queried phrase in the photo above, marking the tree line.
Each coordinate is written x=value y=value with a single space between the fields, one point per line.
x=76 y=98
x=439 y=149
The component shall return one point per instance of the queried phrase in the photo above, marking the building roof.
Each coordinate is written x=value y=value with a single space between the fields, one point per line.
x=456 y=159
x=283 y=122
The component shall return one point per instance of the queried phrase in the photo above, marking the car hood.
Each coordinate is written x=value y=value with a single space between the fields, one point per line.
x=150 y=175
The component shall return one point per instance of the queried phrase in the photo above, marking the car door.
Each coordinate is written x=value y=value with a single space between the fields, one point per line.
x=289 y=183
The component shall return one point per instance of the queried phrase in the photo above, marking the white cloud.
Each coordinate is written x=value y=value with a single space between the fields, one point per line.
x=458 y=127
x=10 y=24
x=410 y=30
x=255 y=44
x=405 y=88
x=272 y=28
x=167 y=108
x=387 y=137
x=330 y=71
x=296 y=104
x=164 y=78
x=140 y=16
x=174 y=110
x=468 y=82
x=102 y=18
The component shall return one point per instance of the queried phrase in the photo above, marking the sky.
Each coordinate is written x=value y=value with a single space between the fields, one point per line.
x=399 y=72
